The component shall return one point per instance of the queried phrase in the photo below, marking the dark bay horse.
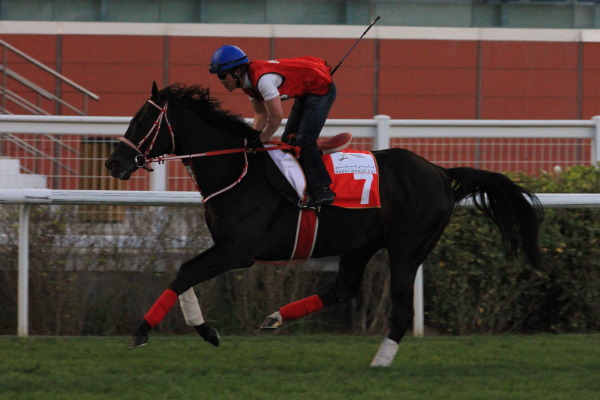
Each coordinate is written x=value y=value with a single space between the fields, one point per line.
x=249 y=219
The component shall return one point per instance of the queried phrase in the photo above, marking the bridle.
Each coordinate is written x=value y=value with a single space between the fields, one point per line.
x=141 y=160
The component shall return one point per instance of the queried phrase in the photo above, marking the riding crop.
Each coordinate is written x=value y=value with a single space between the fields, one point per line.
x=354 y=45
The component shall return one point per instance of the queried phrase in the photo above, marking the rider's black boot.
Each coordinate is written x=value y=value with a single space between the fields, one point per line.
x=319 y=196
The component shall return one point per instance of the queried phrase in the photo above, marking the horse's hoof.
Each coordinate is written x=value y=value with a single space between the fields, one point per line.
x=273 y=321
x=209 y=334
x=138 y=341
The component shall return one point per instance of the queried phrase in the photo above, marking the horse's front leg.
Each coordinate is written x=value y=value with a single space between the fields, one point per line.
x=212 y=262
x=193 y=317
x=191 y=312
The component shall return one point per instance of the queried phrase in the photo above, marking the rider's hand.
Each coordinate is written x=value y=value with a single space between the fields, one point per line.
x=265 y=138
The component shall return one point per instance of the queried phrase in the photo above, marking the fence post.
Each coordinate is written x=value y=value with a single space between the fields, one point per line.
x=418 y=305
x=23 y=279
x=158 y=178
x=382 y=132
x=595 y=156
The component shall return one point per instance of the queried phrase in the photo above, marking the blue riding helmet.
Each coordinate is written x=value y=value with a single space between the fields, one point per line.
x=226 y=58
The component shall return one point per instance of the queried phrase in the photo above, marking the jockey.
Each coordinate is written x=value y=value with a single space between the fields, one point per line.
x=267 y=83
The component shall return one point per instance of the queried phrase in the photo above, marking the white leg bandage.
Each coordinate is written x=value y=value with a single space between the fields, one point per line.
x=385 y=355
x=190 y=308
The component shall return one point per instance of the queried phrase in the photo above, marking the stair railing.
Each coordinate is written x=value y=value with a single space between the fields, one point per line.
x=7 y=95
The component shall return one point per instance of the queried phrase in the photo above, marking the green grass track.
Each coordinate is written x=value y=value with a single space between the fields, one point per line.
x=307 y=367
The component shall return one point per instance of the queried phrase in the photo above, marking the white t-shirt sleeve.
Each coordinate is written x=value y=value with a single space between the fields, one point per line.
x=268 y=85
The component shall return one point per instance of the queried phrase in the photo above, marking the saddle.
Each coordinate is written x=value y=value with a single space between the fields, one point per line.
x=336 y=143
x=285 y=173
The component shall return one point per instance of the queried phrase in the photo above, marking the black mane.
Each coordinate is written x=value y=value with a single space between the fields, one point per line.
x=209 y=109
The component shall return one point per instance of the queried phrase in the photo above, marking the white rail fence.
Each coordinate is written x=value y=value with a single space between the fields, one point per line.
x=381 y=128
x=25 y=198
x=488 y=144
x=377 y=133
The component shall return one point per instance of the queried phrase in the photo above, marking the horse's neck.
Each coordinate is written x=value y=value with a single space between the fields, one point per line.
x=222 y=173
x=215 y=172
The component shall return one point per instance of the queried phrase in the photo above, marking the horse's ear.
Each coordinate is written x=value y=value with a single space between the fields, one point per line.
x=154 y=89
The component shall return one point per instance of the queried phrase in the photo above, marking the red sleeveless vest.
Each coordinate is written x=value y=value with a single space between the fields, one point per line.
x=300 y=75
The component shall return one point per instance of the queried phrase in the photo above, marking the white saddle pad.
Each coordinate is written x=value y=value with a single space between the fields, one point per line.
x=290 y=168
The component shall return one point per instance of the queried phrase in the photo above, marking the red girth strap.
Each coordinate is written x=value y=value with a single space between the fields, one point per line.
x=306 y=234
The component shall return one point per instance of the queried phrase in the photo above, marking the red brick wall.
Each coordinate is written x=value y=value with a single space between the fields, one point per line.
x=428 y=79
x=431 y=79
x=529 y=80
x=591 y=80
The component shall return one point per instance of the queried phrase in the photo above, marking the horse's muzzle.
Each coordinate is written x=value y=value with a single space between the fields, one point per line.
x=117 y=171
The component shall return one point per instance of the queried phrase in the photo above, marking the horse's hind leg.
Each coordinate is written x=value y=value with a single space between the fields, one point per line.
x=346 y=286
x=402 y=288
x=406 y=255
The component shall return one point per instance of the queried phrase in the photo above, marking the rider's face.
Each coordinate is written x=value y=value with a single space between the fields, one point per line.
x=228 y=81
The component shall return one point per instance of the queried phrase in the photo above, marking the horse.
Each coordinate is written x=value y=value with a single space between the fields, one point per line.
x=250 y=218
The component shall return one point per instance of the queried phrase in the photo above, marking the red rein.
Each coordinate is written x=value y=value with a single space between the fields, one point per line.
x=142 y=160
x=278 y=146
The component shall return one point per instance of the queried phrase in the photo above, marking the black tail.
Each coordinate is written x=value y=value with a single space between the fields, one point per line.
x=516 y=211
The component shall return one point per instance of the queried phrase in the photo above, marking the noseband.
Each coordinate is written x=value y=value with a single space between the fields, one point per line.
x=141 y=159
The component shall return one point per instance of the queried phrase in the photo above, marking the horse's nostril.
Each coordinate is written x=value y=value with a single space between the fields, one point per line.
x=111 y=164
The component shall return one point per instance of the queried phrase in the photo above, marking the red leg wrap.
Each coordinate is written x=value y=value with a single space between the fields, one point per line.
x=301 y=308
x=161 y=307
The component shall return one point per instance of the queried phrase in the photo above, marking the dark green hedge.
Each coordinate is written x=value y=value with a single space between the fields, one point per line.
x=472 y=288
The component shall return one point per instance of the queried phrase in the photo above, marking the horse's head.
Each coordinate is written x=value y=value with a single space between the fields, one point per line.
x=200 y=123
x=149 y=135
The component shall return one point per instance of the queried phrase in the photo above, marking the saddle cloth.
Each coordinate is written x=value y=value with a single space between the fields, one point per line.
x=355 y=178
